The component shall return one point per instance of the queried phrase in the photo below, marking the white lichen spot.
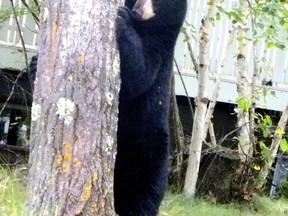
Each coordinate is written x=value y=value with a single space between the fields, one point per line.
x=109 y=98
x=35 y=111
x=110 y=142
x=65 y=110
x=70 y=78
x=45 y=13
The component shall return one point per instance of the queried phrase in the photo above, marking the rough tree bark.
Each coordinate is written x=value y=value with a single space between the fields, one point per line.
x=74 y=113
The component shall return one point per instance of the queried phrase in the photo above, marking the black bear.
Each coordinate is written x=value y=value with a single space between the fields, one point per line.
x=33 y=68
x=32 y=71
x=146 y=33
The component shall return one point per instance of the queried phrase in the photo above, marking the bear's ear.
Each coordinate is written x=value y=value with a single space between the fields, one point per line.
x=143 y=10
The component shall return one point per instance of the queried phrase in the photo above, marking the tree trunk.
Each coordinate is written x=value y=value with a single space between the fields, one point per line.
x=74 y=113
x=178 y=153
x=274 y=149
x=201 y=104
x=244 y=145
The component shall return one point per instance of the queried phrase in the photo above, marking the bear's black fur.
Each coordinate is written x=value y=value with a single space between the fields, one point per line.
x=32 y=70
x=146 y=50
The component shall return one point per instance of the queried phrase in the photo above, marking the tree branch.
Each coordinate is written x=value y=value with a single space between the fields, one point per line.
x=35 y=16
x=185 y=89
x=20 y=34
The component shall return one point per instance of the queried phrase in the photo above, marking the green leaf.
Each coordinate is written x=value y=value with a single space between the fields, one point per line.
x=266 y=153
x=280 y=46
x=284 y=145
x=211 y=3
x=267 y=120
x=273 y=93
x=240 y=39
x=211 y=19
x=262 y=145
x=264 y=91
x=271 y=44
x=280 y=132
x=285 y=25
x=265 y=9
x=245 y=29
x=218 y=17
x=256 y=167
x=265 y=132
x=220 y=9
x=243 y=103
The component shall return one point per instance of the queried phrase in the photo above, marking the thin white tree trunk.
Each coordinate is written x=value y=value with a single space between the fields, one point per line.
x=201 y=104
x=244 y=147
x=274 y=148
x=218 y=79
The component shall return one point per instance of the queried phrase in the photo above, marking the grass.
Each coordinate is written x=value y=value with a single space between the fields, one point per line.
x=13 y=193
x=178 y=205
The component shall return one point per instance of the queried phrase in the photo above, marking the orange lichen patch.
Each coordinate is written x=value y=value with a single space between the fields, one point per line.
x=95 y=177
x=77 y=163
x=54 y=37
x=66 y=168
x=94 y=207
x=68 y=146
x=86 y=192
x=79 y=139
x=68 y=157
x=59 y=160
x=81 y=58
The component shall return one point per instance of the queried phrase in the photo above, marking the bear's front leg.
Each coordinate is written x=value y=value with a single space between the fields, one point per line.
x=124 y=20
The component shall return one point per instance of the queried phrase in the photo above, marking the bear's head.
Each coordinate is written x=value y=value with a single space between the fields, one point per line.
x=158 y=12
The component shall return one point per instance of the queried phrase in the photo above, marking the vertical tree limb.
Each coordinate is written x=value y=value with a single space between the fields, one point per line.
x=277 y=137
x=201 y=104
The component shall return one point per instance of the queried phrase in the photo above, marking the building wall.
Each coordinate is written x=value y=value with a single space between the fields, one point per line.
x=272 y=62
x=274 y=68
x=11 y=49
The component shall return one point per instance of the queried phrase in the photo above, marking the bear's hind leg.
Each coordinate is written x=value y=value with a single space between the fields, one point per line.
x=140 y=184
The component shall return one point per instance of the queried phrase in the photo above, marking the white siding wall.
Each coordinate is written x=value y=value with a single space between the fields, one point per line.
x=275 y=67
x=11 y=51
